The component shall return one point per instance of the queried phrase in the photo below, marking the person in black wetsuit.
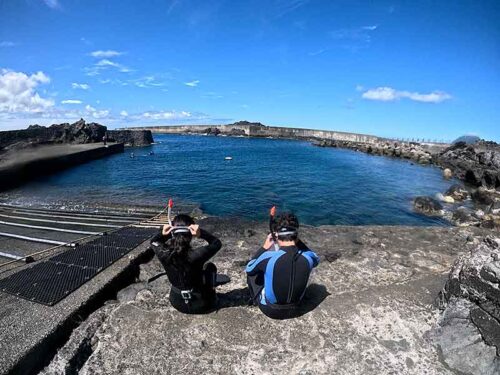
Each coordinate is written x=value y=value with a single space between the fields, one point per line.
x=193 y=279
x=278 y=275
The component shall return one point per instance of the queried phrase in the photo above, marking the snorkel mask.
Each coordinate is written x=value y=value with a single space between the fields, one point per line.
x=283 y=231
x=175 y=229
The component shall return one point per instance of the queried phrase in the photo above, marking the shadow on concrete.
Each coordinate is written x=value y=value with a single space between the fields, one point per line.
x=315 y=294
x=234 y=298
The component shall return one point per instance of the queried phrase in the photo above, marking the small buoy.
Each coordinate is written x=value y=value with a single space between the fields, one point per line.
x=228 y=158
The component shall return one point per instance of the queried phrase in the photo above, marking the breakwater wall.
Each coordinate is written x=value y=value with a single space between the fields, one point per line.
x=259 y=130
x=22 y=169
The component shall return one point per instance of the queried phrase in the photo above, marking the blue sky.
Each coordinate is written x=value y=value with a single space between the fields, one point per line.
x=402 y=69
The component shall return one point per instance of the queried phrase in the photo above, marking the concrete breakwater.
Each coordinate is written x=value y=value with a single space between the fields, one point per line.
x=26 y=165
x=250 y=129
x=79 y=132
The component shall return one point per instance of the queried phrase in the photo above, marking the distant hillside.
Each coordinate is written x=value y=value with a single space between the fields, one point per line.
x=468 y=139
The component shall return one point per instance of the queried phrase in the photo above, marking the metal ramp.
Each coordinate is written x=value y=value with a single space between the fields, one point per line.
x=50 y=281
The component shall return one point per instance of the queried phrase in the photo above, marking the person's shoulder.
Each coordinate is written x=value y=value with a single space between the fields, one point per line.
x=268 y=254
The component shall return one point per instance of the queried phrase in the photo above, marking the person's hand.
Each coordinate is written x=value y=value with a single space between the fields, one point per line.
x=269 y=242
x=195 y=230
x=166 y=230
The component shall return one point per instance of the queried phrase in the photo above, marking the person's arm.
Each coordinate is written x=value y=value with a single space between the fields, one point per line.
x=204 y=253
x=259 y=264
x=268 y=243
x=311 y=257
x=159 y=237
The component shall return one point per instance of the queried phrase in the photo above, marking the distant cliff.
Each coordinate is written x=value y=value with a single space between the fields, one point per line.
x=252 y=129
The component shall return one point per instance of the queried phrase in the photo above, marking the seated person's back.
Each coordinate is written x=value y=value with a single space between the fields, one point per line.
x=193 y=279
x=278 y=277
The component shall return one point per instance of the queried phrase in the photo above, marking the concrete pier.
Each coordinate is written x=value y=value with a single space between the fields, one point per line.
x=24 y=165
x=30 y=332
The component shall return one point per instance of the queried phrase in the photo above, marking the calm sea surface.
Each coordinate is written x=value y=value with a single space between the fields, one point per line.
x=321 y=185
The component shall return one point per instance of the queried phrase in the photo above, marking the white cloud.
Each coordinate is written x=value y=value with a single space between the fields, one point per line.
x=54 y=4
x=105 y=54
x=433 y=97
x=164 y=115
x=81 y=86
x=192 y=83
x=124 y=113
x=104 y=64
x=95 y=113
x=370 y=28
x=147 y=82
x=18 y=95
x=7 y=43
x=388 y=94
x=71 y=101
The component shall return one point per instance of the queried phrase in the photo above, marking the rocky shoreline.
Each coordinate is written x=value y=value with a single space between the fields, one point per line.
x=371 y=308
x=476 y=203
x=476 y=164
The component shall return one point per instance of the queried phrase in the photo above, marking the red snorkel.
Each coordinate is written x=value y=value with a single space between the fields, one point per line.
x=170 y=205
x=272 y=213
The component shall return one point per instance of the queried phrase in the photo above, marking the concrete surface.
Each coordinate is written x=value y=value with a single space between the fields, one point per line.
x=367 y=311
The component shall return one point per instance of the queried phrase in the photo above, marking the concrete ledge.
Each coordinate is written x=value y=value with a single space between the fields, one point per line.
x=29 y=164
x=30 y=333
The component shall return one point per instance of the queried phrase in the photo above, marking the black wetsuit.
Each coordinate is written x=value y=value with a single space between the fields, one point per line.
x=190 y=273
x=277 y=279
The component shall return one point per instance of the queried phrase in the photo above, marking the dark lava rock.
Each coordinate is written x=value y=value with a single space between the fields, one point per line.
x=78 y=132
x=477 y=164
x=483 y=196
x=463 y=216
x=131 y=137
x=468 y=332
x=212 y=131
x=457 y=192
x=427 y=205
x=236 y=132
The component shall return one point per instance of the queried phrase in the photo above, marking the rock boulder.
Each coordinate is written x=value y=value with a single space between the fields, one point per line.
x=427 y=205
x=468 y=331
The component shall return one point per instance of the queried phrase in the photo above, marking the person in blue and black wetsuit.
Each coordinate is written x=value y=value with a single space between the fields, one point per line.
x=278 y=275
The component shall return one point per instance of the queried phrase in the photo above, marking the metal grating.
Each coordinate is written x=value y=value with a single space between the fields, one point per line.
x=52 y=280
x=46 y=282
x=96 y=256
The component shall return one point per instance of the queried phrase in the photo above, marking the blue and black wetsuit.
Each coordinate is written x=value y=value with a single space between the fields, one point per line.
x=278 y=279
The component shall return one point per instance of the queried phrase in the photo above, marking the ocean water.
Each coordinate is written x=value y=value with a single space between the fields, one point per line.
x=321 y=185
